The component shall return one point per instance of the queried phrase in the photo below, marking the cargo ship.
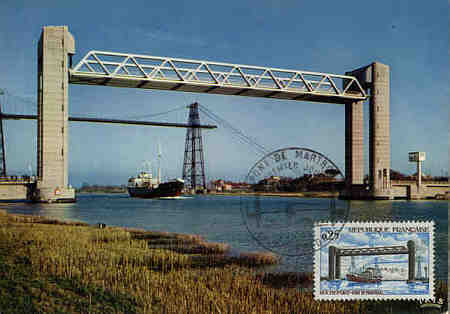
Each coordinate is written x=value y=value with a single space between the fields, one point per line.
x=144 y=186
x=369 y=275
x=364 y=275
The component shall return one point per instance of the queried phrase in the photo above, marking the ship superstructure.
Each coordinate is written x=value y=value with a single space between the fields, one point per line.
x=365 y=274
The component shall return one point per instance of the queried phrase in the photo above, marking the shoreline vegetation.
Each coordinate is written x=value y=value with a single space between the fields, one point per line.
x=97 y=189
x=86 y=188
x=311 y=194
x=52 y=266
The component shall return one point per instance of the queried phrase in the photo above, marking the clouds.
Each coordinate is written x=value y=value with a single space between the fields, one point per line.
x=354 y=239
x=420 y=240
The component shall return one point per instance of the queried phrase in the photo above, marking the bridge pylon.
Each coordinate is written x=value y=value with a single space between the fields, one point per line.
x=54 y=49
x=374 y=79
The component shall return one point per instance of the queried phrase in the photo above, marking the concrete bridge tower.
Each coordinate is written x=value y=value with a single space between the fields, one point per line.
x=54 y=48
x=380 y=142
x=374 y=78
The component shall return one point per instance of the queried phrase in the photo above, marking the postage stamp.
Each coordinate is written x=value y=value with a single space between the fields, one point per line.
x=374 y=261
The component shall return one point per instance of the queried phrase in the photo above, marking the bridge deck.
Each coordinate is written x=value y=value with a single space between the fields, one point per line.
x=385 y=250
x=150 y=72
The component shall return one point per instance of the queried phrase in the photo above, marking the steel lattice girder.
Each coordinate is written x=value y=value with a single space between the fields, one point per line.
x=382 y=250
x=149 y=72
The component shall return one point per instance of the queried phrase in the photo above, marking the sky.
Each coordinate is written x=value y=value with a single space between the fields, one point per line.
x=320 y=36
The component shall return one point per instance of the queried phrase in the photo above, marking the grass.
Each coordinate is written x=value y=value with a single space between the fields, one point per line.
x=51 y=267
x=287 y=279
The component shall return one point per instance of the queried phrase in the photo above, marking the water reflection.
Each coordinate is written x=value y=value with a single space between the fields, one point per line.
x=63 y=211
x=370 y=210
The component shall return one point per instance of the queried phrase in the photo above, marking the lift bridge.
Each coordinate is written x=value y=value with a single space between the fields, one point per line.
x=56 y=71
x=335 y=255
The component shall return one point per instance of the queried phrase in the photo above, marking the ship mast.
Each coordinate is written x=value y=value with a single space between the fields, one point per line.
x=159 y=163
x=146 y=166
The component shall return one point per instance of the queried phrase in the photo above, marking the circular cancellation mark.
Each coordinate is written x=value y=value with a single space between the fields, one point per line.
x=284 y=225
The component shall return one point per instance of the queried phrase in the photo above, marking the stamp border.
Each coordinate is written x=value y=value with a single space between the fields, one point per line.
x=316 y=267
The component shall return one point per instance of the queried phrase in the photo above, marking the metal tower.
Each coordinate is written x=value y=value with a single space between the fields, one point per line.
x=194 y=166
x=2 y=145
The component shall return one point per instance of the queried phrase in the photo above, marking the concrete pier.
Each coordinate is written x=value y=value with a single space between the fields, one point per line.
x=374 y=78
x=354 y=143
x=55 y=45
x=380 y=142
x=13 y=192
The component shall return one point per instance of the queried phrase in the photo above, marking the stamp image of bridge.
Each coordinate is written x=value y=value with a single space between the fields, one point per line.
x=374 y=260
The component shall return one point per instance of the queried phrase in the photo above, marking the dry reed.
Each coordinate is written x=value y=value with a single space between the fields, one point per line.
x=121 y=262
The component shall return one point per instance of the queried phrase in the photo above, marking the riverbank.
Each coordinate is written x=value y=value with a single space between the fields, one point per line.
x=49 y=266
x=86 y=188
x=118 y=191
x=103 y=192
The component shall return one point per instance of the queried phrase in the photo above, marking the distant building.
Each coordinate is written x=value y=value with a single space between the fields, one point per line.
x=222 y=185
x=240 y=186
x=217 y=185
x=272 y=180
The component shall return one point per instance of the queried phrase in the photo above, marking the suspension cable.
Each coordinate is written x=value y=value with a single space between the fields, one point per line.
x=234 y=131
x=242 y=139
x=237 y=132
x=156 y=114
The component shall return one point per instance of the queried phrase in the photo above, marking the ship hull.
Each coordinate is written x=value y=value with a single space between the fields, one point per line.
x=168 y=189
x=356 y=278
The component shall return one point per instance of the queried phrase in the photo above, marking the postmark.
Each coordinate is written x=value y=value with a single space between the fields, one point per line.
x=283 y=225
x=375 y=261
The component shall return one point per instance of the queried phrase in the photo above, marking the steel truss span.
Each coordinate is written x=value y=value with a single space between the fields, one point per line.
x=383 y=250
x=150 y=72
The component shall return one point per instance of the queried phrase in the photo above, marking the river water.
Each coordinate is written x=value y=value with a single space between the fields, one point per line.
x=227 y=219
